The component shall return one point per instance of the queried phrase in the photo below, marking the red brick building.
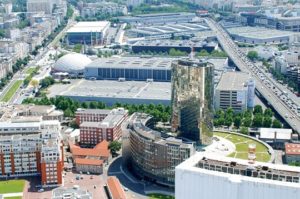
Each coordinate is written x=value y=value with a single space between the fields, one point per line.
x=90 y=159
x=90 y=115
x=109 y=128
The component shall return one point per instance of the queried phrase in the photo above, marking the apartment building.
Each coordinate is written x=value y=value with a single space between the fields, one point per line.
x=109 y=128
x=45 y=6
x=92 y=9
x=90 y=115
x=23 y=111
x=32 y=155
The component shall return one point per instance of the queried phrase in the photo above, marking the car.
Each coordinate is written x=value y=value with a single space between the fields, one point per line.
x=41 y=190
x=125 y=189
x=78 y=177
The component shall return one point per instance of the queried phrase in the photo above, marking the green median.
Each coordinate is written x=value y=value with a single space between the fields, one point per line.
x=12 y=90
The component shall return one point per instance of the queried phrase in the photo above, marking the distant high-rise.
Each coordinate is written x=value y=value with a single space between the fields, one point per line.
x=192 y=99
x=45 y=6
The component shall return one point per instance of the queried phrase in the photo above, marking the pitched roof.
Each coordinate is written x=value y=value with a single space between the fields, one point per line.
x=100 y=150
x=115 y=188
x=102 y=145
x=88 y=161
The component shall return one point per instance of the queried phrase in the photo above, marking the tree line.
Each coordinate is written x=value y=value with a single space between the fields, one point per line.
x=250 y=118
x=158 y=111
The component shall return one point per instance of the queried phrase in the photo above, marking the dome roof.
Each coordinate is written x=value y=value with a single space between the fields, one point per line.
x=71 y=63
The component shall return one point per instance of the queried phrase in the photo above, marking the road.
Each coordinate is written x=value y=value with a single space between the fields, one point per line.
x=265 y=85
x=40 y=60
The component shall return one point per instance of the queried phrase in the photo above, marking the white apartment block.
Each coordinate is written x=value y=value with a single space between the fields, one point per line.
x=25 y=128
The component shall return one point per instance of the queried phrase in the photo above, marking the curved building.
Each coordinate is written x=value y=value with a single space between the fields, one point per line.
x=73 y=63
x=151 y=156
x=192 y=99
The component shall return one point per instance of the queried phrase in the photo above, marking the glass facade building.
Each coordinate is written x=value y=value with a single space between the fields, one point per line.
x=88 y=38
x=192 y=99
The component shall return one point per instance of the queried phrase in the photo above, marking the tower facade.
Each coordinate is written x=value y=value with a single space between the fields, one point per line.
x=192 y=99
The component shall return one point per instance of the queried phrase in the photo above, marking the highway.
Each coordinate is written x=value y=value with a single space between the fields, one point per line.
x=278 y=98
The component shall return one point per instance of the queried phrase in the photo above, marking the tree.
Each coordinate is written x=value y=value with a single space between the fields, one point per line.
x=244 y=130
x=228 y=121
x=268 y=112
x=220 y=113
x=174 y=52
x=47 y=81
x=276 y=124
x=248 y=113
x=257 y=109
x=267 y=122
x=114 y=146
x=203 y=53
x=257 y=120
x=252 y=55
x=2 y=33
x=34 y=83
x=247 y=121
x=77 y=48
x=237 y=121
x=68 y=113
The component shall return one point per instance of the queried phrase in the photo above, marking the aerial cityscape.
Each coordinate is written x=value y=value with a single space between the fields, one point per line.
x=149 y=99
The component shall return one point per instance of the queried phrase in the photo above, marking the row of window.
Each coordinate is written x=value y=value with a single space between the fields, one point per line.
x=134 y=74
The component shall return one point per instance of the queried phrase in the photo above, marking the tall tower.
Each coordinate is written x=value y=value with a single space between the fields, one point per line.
x=192 y=99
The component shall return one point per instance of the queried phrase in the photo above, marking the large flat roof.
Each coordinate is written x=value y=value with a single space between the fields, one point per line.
x=174 y=43
x=132 y=62
x=113 y=89
x=272 y=133
x=261 y=172
x=259 y=32
x=89 y=26
x=233 y=81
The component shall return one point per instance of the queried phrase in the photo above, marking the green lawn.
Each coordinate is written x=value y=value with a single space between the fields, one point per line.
x=12 y=186
x=30 y=70
x=241 y=144
x=160 y=196
x=16 y=197
x=12 y=90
